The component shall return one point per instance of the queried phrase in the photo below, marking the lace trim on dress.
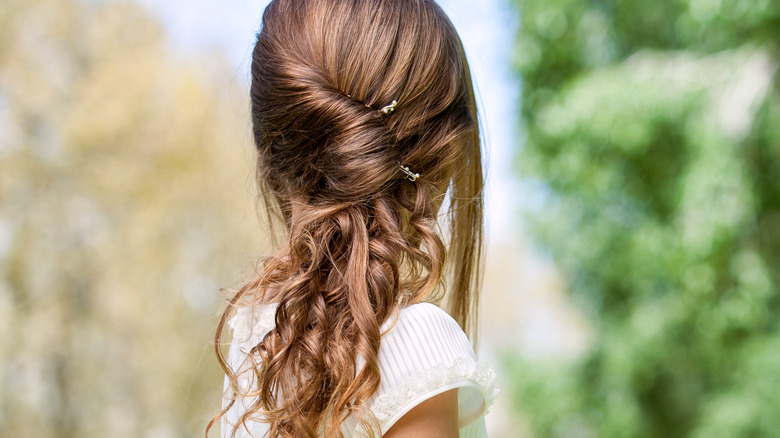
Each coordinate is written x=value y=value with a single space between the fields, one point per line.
x=463 y=368
x=249 y=325
x=241 y=322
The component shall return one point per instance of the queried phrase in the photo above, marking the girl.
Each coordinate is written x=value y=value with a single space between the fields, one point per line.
x=364 y=118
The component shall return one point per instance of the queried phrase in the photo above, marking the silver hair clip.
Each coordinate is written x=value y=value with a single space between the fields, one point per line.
x=409 y=174
x=389 y=108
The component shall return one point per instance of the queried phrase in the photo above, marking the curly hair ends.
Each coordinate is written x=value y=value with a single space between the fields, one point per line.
x=362 y=240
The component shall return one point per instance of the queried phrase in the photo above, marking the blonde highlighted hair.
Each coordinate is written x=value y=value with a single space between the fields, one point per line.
x=362 y=239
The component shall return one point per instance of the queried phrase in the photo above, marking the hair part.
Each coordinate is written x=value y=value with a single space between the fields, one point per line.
x=362 y=240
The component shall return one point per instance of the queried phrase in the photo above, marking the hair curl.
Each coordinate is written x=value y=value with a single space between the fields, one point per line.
x=362 y=241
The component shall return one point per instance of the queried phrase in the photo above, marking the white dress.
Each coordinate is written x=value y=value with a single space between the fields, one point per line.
x=424 y=354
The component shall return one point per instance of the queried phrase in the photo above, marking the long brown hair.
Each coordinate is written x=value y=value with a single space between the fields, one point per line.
x=362 y=239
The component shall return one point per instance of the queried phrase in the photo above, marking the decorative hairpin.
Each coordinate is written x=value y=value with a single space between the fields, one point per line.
x=409 y=174
x=389 y=108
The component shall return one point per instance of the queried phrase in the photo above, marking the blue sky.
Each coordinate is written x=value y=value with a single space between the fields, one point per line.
x=486 y=28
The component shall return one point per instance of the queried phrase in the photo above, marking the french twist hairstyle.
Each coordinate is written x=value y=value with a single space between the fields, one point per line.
x=362 y=240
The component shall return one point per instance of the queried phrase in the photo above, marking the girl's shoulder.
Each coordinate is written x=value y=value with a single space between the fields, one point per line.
x=426 y=334
x=422 y=354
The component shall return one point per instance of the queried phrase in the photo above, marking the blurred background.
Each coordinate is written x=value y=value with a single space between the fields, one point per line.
x=631 y=284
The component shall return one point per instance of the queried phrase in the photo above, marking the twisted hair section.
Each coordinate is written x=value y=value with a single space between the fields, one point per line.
x=362 y=239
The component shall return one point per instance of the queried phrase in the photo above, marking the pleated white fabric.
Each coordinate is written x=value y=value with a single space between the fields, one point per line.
x=423 y=353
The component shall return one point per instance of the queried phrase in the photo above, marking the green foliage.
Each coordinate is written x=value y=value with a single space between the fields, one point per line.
x=655 y=127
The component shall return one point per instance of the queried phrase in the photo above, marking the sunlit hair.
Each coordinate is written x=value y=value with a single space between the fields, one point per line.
x=362 y=241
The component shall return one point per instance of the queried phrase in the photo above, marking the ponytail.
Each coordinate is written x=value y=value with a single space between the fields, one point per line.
x=362 y=239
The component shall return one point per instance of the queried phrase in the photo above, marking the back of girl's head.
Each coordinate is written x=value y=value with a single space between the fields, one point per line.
x=322 y=69
x=362 y=235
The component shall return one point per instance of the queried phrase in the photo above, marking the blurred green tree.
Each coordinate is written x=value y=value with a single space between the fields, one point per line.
x=655 y=129
x=124 y=205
